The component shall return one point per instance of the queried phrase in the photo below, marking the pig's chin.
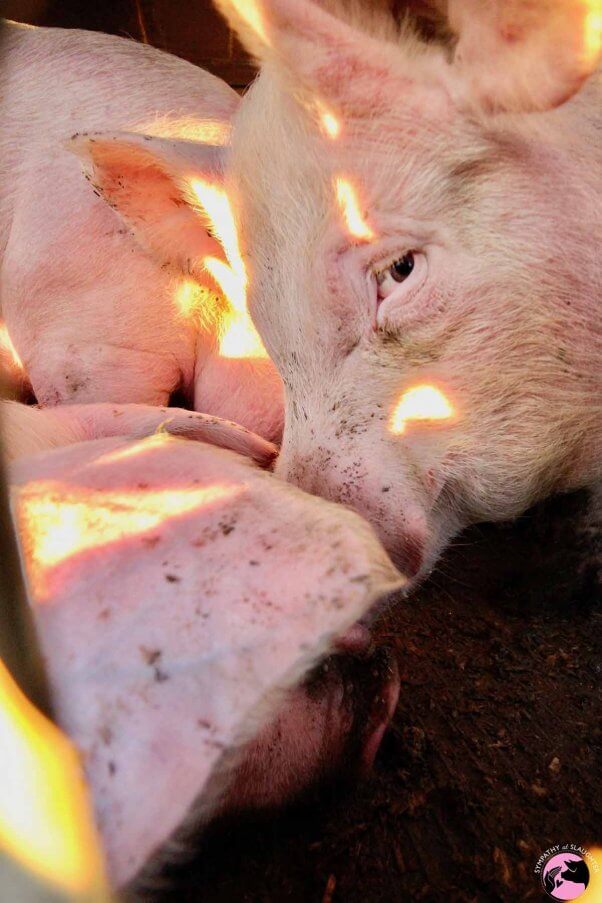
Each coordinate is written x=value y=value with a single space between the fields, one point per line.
x=329 y=728
x=327 y=732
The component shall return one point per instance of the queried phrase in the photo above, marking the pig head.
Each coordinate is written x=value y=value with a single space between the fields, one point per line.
x=181 y=594
x=422 y=272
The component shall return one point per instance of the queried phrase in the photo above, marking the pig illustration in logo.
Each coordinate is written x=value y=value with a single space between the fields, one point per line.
x=565 y=876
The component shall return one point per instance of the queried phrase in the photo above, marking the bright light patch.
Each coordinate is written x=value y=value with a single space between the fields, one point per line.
x=350 y=207
x=420 y=403
x=593 y=892
x=58 y=521
x=135 y=449
x=8 y=348
x=205 y=131
x=593 y=30
x=45 y=820
x=240 y=339
x=249 y=12
x=231 y=277
x=230 y=282
x=330 y=123
x=193 y=299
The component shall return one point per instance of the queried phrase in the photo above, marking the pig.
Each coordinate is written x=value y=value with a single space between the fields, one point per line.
x=430 y=302
x=103 y=285
x=29 y=430
x=189 y=595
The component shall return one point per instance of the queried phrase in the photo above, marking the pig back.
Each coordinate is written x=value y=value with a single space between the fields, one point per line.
x=55 y=82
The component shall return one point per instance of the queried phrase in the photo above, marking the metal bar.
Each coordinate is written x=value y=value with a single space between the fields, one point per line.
x=19 y=647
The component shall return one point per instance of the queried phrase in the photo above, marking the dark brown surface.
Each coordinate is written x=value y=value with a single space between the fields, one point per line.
x=492 y=755
x=191 y=29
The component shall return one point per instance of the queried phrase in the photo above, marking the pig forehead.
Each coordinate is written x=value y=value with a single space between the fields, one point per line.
x=284 y=169
x=282 y=159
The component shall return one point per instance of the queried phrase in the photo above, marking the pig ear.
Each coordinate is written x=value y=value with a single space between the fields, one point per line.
x=149 y=182
x=349 y=70
x=524 y=56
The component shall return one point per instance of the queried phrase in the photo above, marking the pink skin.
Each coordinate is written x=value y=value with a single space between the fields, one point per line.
x=154 y=693
x=30 y=430
x=90 y=270
x=499 y=311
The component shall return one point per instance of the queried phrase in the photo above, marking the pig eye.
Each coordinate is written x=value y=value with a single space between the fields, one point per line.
x=400 y=270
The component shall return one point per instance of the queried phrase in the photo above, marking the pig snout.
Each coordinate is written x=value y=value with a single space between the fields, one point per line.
x=331 y=726
x=396 y=512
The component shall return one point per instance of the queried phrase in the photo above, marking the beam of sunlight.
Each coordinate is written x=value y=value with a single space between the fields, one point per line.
x=45 y=818
x=58 y=521
x=231 y=277
x=423 y=402
x=239 y=338
x=349 y=204
x=8 y=348
x=250 y=13
x=204 y=131
x=136 y=449
x=193 y=300
x=593 y=891
x=331 y=124
x=592 y=32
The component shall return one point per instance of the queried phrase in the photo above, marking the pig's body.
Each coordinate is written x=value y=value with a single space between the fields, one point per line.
x=188 y=592
x=93 y=314
x=29 y=430
x=440 y=345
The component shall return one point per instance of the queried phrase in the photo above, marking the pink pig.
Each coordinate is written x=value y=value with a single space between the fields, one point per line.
x=117 y=304
x=425 y=273
x=181 y=595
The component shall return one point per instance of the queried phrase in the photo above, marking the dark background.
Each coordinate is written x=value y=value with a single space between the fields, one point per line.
x=191 y=29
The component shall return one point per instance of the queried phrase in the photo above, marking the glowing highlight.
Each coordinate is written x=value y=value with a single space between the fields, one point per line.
x=331 y=124
x=45 y=820
x=8 y=348
x=58 y=521
x=592 y=32
x=420 y=403
x=248 y=10
x=205 y=131
x=193 y=299
x=593 y=891
x=135 y=449
x=239 y=337
x=350 y=207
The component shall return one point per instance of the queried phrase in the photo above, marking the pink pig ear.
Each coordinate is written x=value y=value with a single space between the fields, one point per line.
x=524 y=56
x=330 y=61
x=149 y=182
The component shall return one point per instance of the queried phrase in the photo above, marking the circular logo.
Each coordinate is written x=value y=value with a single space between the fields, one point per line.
x=565 y=876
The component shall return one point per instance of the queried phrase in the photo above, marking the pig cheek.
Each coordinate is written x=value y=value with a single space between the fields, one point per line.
x=305 y=742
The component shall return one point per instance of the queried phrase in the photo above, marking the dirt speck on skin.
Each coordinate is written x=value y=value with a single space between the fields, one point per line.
x=494 y=751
